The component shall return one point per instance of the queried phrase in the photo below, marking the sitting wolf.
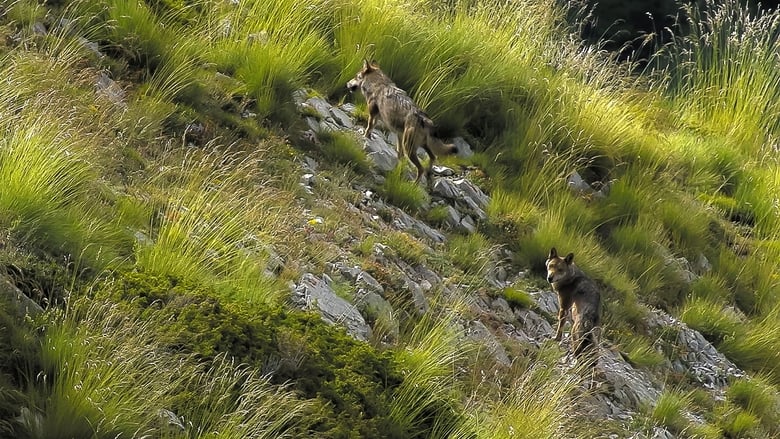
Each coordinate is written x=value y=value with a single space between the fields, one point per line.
x=400 y=114
x=578 y=292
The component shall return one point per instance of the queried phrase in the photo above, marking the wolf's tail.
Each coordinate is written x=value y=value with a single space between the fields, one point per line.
x=435 y=144
x=439 y=147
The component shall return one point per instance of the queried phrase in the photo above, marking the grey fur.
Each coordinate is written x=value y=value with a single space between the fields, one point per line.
x=399 y=113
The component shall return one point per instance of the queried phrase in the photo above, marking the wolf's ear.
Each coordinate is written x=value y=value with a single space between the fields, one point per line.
x=553 y=253
x=366 y=64
x=569 y=258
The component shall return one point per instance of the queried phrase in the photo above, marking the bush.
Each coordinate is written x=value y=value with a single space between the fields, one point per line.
x=351 y=381
x=518 y=298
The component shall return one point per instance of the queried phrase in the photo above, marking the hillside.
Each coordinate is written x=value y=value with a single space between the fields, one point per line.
x=198 y=241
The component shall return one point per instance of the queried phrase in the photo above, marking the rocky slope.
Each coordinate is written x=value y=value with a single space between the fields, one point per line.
x=620 y=390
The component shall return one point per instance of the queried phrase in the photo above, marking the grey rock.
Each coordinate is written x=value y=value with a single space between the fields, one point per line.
x=466 y=196
x=546 y=300
x=299 y=97
x=632 y=388
x=349 y=108
x=328 y=125
x=320 y=105
x=91 y=46
x=582 y=187
x=443 y=171
x=384 y=157
x=142 y=239
x=467 y=224
x=349 y=273
x=312 y=123
x=310 y=164
x=453 y=218
x=502 y=310
x=446 y=189
x=376 y=309
x=496 y=276
x=472 y=191
x=366 y=281
x=427 y=275
x=478 y=332
x=313 y=293
x=23 y=305
x=577 y=184
x=418 y=297
x=406 y=222
x=307 y=179
x=464 y=149
x=341 y=118
x=39 y=28
x=392 y=139
x=536 y=328
x=109 y=89
x=170 y=422
x=699 y=357
x=702 y=264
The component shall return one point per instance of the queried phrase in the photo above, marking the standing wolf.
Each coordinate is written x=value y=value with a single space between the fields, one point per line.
x=400 y=114
x=578 y=292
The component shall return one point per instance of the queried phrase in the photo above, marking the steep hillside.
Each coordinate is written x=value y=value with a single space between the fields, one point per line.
x=198 y=239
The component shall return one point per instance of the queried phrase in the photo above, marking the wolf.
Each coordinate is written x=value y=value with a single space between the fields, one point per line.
x=578 y=292
x=399 y=113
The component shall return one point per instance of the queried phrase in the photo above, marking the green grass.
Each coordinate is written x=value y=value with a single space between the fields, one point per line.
x=345 y=149
x=687 y=154
x=425 y=403
x=212 y=227
x=758 y=397
x=104 y=374
x=669 y=410
x=518 y=298
x=471 y=253
x=402 y=192
x=534 y=405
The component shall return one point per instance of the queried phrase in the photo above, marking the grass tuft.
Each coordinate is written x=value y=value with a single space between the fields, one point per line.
x=400 y=191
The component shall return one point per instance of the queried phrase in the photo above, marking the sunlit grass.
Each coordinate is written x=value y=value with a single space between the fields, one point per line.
x=669 y=410
x=215 y=226
x=534 y=405
x=397 y=189
x=426 y=401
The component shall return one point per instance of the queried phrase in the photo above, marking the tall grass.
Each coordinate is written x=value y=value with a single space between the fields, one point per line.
x=535 y=405
x=425 y=403
x=725 y=77
x=217 y=222
x=104 y=375
x=272 y=47
x=48 y=157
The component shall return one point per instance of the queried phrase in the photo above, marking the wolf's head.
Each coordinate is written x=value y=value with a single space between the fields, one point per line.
x=357 y=82
x=559 y=269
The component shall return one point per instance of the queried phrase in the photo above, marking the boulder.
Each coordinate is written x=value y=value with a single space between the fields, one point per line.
x=381 y=154
x=313 y=293
x=19 y=302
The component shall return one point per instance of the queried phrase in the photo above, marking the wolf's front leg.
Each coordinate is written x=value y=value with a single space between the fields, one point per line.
x=563 y=311
x=373 y=111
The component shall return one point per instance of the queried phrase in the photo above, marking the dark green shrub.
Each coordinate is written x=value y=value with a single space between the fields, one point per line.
x=351 y=380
